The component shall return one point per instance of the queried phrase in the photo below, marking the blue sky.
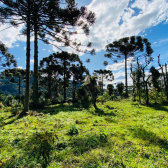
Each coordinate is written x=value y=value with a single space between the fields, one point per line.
x=115 y=20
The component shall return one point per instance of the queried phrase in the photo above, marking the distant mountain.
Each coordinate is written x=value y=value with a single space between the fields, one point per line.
x=7 y=87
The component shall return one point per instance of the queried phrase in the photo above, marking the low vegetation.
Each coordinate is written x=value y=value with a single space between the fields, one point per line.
x=116 y=134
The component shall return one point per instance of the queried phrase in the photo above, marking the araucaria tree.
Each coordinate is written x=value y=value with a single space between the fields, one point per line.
x=120 y=87
x=6 y=59
x=51 y=21
x=59 y=64
x=78 y=72
x=128 y=47
x=110 y=89
x=14 y=73
x=104 y=74
x=91 y=83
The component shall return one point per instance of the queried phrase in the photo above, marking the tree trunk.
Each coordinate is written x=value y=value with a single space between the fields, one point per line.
x=64 y=82
x=166 y=81
x=139 y=93
x=35 y=81
x=19 y=88
x=26 y=106
x=126 y=87
x=93 y=94
x=147 y=96
x=102 y=84
x=73 y=94
x=49 y=85
x=144 y=83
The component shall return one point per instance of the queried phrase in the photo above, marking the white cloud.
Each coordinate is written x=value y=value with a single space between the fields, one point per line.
x=118 y=70
x=117 y=19
x=144 y=35
x=119 y=74
x=18 y=58
x=43 y=49
x=121 y=65
x=154 y=42
x=20 y=67
x=10 y=34
x=49 y=51
x=163 y=41
x=31 y=61
x=24 y=48
x=16 y=45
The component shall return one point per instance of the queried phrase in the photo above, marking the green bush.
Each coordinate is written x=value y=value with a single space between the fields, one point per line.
x=40 y=147
x=41 y=104
x=16 y=110
x=83 y=97
x=73 y=130
x=8 y=100
x=8 y=109
x=105 y=97
x=2 y=97
x=1 y=105
x=58 y=99
x=103 y=137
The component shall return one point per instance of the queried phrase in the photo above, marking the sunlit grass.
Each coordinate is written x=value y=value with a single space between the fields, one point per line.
x=117 y=134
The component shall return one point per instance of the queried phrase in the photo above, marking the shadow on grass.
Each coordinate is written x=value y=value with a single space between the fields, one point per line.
x=151 y=137
x=63 y=107
x=161 y=107
x=3 y=123
x=56 y=109
x=81 y=145
x=100 y=112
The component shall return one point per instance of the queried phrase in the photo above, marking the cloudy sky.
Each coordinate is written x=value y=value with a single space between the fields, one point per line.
x=114 y=20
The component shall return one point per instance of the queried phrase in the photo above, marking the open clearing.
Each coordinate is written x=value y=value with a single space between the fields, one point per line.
x=117 y=134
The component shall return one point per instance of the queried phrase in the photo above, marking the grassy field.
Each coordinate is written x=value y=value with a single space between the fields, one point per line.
x=117 y=134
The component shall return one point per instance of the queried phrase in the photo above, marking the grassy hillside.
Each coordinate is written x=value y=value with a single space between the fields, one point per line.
x=118 y=134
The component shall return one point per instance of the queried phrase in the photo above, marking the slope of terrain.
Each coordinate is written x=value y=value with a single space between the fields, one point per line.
x=116 y=134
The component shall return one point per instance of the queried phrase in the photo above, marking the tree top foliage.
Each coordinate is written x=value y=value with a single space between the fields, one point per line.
x=129 y=47
x=6 y=59
x=53 y=59
x=104 y=72
x=56 y=20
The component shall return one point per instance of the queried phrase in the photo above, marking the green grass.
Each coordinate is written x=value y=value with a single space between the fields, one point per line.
x=117 y=134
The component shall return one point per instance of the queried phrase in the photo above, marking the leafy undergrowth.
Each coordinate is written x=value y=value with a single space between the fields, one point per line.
x=116 y=134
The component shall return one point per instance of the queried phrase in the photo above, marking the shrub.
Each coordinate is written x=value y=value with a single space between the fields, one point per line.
x=83 y=96
x=40 y=147
x=8 y=100
x=8 y=109
x=105 y=97
x=103 y=137
x=16 y=110
x=154 y=95
x=58 y=99
x=2 y=97
x=99 y=99
x=41 y=104
x=120 y=87
x=73 y=130
x=1 y=105
x=47 y=102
